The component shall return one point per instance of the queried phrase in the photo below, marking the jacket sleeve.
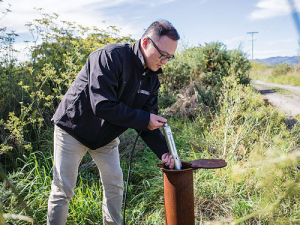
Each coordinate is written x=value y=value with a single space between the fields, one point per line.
x=104 y=68
x=154 y=139
x=156 y=142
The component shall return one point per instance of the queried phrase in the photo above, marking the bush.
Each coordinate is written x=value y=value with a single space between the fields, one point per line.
x=32 y=90
x=205 y=66
x=281 y=69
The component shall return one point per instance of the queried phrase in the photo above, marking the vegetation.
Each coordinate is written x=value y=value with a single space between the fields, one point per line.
x=206 y=66
x=228 y=120
x=279 y=74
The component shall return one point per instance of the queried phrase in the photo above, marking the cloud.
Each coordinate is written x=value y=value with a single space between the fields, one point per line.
x=23 y=11
x=123 y=14
x=87 y=13
x=272 y=8
x=157 y=3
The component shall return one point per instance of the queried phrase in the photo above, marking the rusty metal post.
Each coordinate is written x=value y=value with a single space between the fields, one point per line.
x=179 y=190
x=179 y=197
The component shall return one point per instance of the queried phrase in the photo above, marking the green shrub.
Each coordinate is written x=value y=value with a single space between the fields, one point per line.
x=281 y=69
x=205 y=66
x=33 y=89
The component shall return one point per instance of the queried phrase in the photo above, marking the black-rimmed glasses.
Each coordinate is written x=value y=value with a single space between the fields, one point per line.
x=162 y=56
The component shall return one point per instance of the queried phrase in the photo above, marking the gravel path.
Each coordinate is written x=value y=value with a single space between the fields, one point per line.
x=288 y=103
x=294 y=89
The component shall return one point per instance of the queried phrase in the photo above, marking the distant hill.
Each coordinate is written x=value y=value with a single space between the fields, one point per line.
x=279 y=59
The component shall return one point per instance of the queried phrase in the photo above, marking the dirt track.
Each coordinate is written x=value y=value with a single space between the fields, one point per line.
x=288 y=102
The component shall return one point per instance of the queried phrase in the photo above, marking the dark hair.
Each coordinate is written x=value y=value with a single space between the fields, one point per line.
x=160 y=28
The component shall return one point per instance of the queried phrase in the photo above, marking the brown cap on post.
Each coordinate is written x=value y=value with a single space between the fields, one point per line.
x=198 y=164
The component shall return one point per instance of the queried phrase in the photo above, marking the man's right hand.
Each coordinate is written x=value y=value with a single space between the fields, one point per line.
x=156 y=122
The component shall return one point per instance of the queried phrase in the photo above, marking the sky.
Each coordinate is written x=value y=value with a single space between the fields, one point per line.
x=197 y=21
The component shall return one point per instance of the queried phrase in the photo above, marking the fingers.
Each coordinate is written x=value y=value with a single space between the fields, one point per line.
x=171 y=166
x=156 y=122
x=167 y=158
x=160 y=119
x=164 y=157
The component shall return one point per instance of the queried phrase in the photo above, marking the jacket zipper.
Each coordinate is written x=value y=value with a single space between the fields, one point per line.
x=138 y=88
x=69 y=107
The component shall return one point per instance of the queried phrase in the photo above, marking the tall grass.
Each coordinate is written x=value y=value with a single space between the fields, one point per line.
x=260 y=185
x=33 y=182
x=279 y=74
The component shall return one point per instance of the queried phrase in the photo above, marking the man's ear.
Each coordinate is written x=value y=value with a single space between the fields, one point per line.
x=144 y=43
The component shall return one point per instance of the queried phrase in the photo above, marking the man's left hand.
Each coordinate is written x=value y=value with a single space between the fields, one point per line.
x=167 y=158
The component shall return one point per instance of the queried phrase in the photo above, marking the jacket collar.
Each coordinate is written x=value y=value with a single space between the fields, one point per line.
x=139 y=59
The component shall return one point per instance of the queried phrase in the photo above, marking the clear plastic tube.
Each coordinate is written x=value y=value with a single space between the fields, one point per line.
x=171 y=146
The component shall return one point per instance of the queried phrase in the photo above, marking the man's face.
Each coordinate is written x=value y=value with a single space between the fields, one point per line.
x=153 y=54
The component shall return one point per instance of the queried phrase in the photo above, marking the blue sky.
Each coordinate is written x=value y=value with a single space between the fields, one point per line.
x=197 y=21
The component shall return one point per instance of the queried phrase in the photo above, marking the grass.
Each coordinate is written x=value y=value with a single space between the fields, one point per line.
x=245 y=132
x=33 y=182
x=260 y=184
x=280 y=74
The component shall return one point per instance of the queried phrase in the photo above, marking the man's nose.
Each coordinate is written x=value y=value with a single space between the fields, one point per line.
x=164 y=61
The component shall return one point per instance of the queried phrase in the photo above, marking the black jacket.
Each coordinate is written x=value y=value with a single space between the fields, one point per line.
x=111 y=93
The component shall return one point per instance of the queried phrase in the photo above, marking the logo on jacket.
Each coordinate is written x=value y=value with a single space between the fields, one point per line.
x=144 y=92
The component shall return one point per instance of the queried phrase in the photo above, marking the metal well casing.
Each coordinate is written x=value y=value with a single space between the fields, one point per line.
x=171 y=146
x=178 y=190
x=179 y=197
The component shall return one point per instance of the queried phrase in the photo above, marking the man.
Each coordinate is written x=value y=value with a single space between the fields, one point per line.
x=116 y=89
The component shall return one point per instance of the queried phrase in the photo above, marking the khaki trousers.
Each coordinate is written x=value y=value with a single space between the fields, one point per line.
x=68 y=153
